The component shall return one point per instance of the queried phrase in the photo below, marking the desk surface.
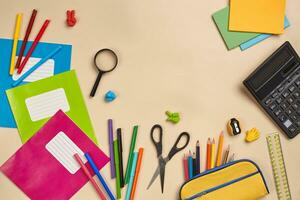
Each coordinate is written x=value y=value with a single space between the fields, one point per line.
x=171 y=58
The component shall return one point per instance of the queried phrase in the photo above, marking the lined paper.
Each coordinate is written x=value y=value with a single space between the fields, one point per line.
x=44 y=71
x=47 y=104
x=63 y=149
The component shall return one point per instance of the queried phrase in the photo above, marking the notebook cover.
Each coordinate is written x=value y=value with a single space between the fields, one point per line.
x=30 y=102
x=62 y=63
x=39 y=174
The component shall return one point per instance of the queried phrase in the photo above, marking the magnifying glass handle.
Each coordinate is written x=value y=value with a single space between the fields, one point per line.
x=92 y=94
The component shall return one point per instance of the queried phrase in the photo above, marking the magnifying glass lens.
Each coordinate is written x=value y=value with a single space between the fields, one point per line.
x=105 y=61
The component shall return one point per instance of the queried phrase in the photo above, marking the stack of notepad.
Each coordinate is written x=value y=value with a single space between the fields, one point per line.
x=248 y=22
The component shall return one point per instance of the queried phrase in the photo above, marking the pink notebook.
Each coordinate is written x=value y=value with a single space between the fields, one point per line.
x=44 y=167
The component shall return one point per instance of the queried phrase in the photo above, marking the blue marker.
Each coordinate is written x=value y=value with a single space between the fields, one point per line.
x=96 y=171
x=129 y=187
x=37 y=65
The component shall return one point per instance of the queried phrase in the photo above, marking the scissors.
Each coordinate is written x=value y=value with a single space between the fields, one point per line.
x=101 y=68
x=160 y=170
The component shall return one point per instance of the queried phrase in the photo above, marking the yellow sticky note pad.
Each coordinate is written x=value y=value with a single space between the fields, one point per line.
x=258 y=16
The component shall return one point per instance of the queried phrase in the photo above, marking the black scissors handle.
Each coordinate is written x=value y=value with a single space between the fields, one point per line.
x=175 y=149
x=157 y=144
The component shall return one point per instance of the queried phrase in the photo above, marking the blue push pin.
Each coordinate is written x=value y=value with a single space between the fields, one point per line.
x=110 y=96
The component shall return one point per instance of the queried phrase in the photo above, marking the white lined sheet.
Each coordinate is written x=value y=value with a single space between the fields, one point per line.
x=47 y=104
x=63 y=149
x=44 y=71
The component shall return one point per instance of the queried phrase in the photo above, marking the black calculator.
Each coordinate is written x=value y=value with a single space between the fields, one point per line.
x=275 y=84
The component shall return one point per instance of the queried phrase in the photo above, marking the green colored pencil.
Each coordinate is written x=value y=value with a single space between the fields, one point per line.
x=130 y=156
x=116 y=155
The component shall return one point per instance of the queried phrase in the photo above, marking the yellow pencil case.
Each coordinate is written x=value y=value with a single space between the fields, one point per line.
x=237 y=180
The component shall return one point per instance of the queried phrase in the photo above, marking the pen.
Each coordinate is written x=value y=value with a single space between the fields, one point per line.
x=194 y=164
x=116 y=155
x=120 y=149
x=134 y=161
x=197 y=157
x=96 y=171
x=111 y=148
x=137 y=171
x=130 y=156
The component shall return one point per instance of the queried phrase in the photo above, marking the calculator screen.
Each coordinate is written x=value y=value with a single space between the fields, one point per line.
x=270 y=68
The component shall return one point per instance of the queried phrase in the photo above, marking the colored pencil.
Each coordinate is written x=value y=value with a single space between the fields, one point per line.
x=33 y=46
x=132 y=172
x=220 y=149
x=137 y=171
x=208 y=154
x=25 y=40
x=111 y=148
x=120 y=149
x=130 y=156
x=225 y=157
x=36 y=66
x=194 y=164
x=213 y=154
x=231 y=158
x=101 y=179
x=197 y=157
x=186 y=168
x=116 y=155
x=15 y=43
x=88 y=174
x=190 y=163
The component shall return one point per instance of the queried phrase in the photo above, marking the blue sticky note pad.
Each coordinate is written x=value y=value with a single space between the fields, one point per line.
x=261 y=37
x=61 y=62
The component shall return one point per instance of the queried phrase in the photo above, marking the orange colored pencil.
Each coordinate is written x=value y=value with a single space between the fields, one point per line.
x=220 y=149
x=208 y=154
x=137 y=171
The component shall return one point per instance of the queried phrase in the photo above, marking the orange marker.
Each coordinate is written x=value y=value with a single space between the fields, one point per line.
x=208 y=154
x=137 y=171
x=220 y=149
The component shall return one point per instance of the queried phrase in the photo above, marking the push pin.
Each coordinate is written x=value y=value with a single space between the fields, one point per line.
x=71 y=20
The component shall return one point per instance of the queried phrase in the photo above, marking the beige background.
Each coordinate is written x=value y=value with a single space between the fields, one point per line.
x=171 y=58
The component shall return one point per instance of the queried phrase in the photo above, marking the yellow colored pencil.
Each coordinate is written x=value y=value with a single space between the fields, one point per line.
x=15 y=43
x=213 y=152
x=220 y=149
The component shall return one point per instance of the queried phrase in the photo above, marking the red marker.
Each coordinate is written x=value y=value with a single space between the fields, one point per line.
x=35 y=42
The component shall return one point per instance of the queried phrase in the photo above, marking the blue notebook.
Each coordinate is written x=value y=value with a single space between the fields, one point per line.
x=61 y=62
x=261 y=37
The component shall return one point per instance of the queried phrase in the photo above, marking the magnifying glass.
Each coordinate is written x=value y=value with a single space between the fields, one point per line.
x=105 y=61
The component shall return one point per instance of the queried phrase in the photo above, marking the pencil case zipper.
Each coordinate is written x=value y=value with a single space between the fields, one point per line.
x=221 y=186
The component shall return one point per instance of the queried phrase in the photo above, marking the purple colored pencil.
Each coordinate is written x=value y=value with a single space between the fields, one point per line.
x=111 y=148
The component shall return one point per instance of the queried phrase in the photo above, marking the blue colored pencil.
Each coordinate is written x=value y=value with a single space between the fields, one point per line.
x=96 y=171
x=190 y=162
x=37 y=65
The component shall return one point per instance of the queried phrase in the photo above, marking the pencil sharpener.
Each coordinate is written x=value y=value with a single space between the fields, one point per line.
x=234 y=127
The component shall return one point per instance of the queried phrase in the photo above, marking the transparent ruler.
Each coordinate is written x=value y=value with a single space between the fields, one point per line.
x=278 y=166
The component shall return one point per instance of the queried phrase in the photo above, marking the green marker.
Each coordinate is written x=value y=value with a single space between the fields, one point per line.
x=116 y=155
x=130 y=156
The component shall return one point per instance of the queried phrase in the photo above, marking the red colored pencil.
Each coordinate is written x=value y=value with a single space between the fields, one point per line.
x=208 y=154
x=35 y=42
x=25 y=40
x=186 y=168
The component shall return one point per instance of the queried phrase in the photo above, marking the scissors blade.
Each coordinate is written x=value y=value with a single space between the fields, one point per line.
x=162 y=175
x=155 y=175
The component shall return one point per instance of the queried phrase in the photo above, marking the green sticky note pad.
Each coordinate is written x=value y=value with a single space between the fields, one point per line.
x=232 y=39
x=34 y=103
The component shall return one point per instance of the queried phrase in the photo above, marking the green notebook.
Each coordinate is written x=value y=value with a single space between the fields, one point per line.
x=34 y=103
x=232 y=39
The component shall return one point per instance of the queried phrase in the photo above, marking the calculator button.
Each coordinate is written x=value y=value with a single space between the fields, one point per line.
x=297 y=82
x=280 y=89
x=279 y=100
x=284 y=105
x=272 y=106
x=268 y=101
x=287 y=123
x=275 y=94
x=289 y=111
x=277 y=112
x=294 y=116
x=285 y=94
x=292 y=129
x=296 y=94
x=295 y=106
x=292 y=88
x=290 y=99
x=282 y=117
